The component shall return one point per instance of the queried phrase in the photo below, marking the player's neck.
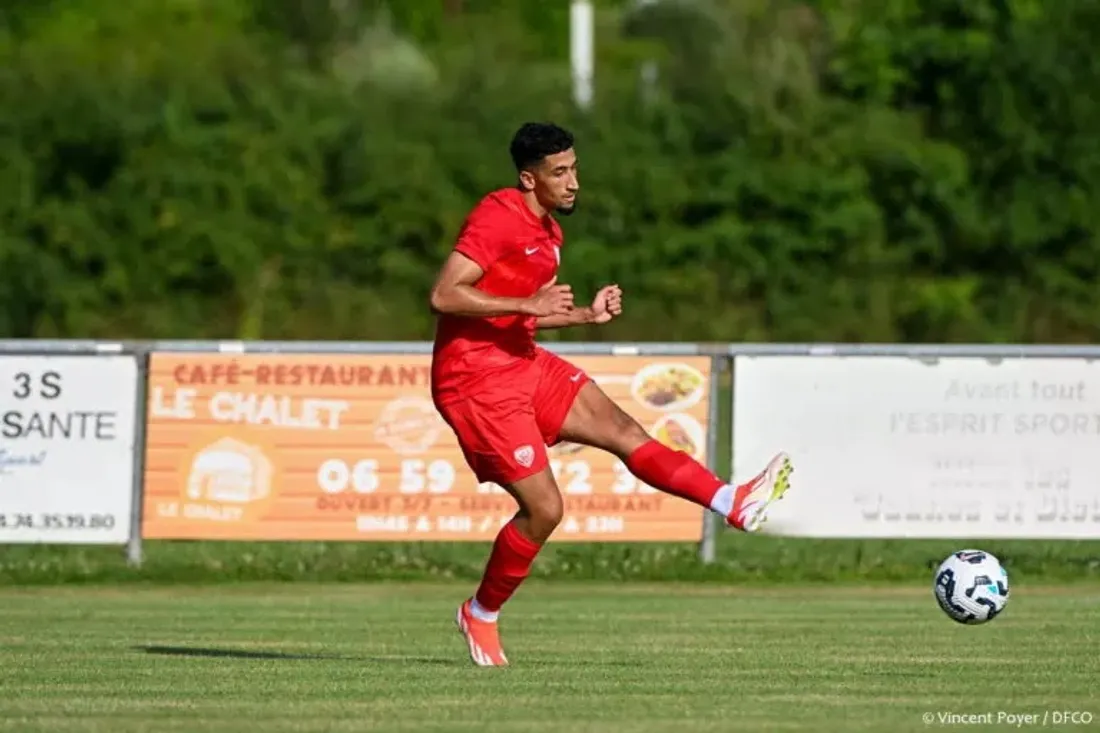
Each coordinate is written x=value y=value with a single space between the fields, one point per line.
x=533 y=204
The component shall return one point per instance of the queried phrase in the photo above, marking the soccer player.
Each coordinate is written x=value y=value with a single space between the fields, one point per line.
x=507 y=399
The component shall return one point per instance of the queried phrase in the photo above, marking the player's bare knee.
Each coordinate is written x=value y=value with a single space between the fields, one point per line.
x=540 y=518
x=547 y=511
x=540 y=503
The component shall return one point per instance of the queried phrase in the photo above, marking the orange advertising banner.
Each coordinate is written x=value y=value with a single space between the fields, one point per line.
x=350 y=447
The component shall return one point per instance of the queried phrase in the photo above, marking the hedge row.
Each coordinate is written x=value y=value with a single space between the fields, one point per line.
x=919 y=170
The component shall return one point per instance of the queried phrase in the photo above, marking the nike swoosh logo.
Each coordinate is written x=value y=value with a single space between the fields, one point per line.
x=531 y=251
x=576 y=377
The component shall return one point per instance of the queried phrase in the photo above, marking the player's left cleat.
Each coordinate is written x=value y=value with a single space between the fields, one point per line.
x=754 y=498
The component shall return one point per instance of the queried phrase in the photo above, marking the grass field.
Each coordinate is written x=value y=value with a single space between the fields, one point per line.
x=778 y=634
x=586 y=657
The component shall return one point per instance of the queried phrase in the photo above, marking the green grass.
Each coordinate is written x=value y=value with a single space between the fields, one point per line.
x=612 y=659
x=741 y=559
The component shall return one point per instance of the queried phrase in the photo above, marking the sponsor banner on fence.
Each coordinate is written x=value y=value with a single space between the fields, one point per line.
x=66 y=448
x=954 y=448
x=350 y=447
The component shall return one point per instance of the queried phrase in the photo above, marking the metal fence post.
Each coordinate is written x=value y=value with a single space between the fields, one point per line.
x=732 y=406
x=707 y=545
x=141 y=399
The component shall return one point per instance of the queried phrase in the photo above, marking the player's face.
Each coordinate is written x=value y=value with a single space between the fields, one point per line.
x=555 y=182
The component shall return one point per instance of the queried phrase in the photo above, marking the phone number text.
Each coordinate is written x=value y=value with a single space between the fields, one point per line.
x=55 y=521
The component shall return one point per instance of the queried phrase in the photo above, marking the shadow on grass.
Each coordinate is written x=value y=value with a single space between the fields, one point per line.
x=222 y=653
x=408 y=659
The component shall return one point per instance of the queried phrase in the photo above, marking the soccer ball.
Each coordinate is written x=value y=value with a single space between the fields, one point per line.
x=971 y=586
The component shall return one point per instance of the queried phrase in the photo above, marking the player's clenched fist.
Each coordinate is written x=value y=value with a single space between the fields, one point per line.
x=607 y=304
x=551 y=300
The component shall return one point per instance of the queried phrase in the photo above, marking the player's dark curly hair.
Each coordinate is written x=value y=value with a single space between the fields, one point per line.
x=535 y=140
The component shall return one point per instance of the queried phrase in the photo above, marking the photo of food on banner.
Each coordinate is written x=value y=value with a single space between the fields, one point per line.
x=667 y=387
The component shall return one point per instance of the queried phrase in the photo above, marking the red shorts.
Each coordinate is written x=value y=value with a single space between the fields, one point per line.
x=504 y=431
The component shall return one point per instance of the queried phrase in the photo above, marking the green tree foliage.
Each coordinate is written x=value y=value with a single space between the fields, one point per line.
x=920 y=170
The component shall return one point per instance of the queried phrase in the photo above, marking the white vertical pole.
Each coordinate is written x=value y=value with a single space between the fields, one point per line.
x=707 y=545
x=137 y=461
x=582 y=51
x=649 y=67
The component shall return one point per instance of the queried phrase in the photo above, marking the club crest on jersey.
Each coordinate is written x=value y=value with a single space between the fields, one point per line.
x=525 y=455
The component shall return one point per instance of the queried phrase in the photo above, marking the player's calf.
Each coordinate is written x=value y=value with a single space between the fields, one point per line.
x=742 y=506
x=514 y=551
x=519 y=541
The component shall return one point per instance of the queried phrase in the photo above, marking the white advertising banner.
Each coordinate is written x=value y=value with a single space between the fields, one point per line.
x=66 y=448
x=948 y=448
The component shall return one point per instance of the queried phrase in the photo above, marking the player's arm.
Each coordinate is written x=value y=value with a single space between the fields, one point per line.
x=454 y=293
x=606 y=306
x=575 y=317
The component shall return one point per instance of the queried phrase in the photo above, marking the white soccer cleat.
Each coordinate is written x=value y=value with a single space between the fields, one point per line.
x=753 y=499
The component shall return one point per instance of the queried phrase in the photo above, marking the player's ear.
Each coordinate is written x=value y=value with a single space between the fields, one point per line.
x=527 y=180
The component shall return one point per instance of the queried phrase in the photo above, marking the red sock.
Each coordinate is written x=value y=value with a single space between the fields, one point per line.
x=509 y=563
x=674 y=472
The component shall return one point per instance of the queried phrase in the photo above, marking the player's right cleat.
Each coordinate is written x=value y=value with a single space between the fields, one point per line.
x=482 y=637
x=753 y=498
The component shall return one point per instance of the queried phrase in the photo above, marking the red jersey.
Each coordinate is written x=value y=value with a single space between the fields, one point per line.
x=519 y=253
